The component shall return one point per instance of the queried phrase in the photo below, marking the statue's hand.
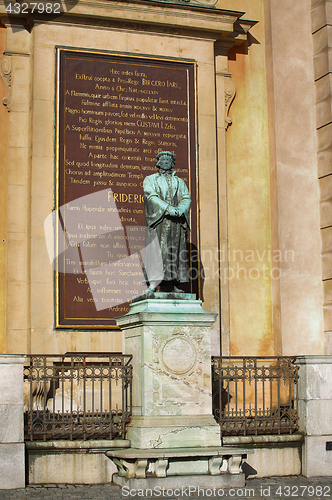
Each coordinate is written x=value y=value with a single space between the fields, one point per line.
x=172 y=211
x=180 y=212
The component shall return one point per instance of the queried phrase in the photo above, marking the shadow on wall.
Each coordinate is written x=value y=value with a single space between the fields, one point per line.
x=243 y=48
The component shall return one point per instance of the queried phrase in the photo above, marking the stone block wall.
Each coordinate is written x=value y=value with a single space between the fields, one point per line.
x=12 y=464
x=315 y=414
x=321 y=18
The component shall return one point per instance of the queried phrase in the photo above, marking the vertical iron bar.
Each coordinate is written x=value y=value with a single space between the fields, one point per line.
x=271 y=392
x=63 y=414
x=236 y=379
x=256 y=401
x=123 y=424
x=263 y=389
x=221 y=384
x=124 y=403
x=131 y=389
x=84 y=399
x=93 y=395
x=71 y=376
x=125 y=383
x=31 y=399
x=244 y=396
x=228 y=405
x=296 y=394
x=101 y=389
x=44 y=402
x=53 y=388
x=279 y=377
x=110 y=395
x=290 y=390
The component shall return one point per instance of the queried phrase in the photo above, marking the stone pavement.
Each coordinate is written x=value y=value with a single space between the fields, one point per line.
x=272 y=488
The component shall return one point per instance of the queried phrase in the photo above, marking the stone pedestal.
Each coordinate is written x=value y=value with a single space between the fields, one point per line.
x=174 y=437
x=12 y=464
x=315 y=414
x=169 y=336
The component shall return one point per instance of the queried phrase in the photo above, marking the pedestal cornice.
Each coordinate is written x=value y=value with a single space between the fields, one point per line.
x=157 y=311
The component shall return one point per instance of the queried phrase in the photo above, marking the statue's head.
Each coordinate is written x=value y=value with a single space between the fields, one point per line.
x=165 y=160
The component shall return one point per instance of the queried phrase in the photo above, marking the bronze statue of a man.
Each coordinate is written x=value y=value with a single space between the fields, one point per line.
x=167 y=204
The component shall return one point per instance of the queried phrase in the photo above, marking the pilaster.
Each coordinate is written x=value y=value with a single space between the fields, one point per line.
x=225 y=93
x=15 y=70
x=321 y=20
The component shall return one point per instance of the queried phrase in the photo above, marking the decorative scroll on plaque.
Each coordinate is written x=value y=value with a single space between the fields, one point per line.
x=114 y=114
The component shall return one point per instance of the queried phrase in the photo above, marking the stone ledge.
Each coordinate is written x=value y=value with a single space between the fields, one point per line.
x=12 y=359
x=264 y=441
x=314 y=359
x=66 y=446
x=210 y=451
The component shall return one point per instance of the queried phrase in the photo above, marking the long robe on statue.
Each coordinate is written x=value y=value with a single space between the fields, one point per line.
x=165 y=255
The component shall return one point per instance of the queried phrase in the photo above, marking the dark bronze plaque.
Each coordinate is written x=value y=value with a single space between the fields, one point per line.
x=114 y=114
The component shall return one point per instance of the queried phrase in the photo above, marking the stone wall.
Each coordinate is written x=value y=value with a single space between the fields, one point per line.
x=265 y=200
x=12 y=463
x=31 y=157
x=321 y=17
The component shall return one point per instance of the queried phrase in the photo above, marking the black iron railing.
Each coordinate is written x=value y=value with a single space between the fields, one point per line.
x=77 y=396
x=255 y=395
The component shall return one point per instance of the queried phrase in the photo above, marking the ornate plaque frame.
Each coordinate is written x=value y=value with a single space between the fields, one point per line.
x=114 y=113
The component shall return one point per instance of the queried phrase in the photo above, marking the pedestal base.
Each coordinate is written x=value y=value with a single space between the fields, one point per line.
x=173 y=432
x=182 y=483
x=204 y=467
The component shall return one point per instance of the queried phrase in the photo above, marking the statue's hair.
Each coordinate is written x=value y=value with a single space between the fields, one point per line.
x=167 y=153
